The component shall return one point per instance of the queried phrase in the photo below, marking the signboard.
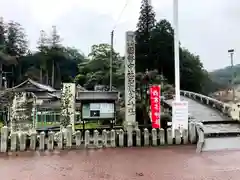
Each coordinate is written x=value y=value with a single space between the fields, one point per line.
x=179 y=115
x=155 y=94
x=130 y=101
x=98 y=110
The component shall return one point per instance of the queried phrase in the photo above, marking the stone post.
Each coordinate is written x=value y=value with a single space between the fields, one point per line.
x=162 y=136
x=154 y=137
x=4 y=139
x=13 y=141
x=138 y=137
x=121 y=138
x=87 y=138
x=130 y=96
x=95 y=138
x=22 y=141
x=69 y=90
x=78 y=136
x=50 y=144
x=69 y=136
x=104 y=138
x=33 y=140
x=169 y=136
x=113 y=138
x=146 y=137
x=42 y=141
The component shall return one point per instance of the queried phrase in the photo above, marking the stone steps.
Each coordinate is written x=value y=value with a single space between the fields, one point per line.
x=223 y=143
x=222 y=135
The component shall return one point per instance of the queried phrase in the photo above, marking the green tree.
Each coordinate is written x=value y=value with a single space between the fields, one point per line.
x=15 y=47
x=2 y=47
x=192 y=73
x=16 y=43
x=41 y=56
x=146 y=23
x=56 y=50
x=95 y=70
x=163 y=49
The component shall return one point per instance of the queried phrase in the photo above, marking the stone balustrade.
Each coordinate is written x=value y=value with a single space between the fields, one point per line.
x=222 y=107
x=77 y=140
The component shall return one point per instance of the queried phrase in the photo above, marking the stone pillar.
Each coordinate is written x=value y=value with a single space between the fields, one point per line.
x=21 y=113
x=34 y=114
x=130 y=99
x=69 y=91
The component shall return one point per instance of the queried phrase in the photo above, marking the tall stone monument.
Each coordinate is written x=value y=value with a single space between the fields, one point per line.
x=130 y=84
x=68 y=102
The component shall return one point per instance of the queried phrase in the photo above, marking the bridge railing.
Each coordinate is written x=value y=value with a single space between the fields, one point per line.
x=224 y=108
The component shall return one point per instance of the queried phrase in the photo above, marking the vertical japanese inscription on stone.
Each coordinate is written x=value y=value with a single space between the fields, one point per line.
x=130 y=101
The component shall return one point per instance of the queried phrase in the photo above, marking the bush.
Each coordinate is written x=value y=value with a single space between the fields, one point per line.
x=142 y=116
x=165 y=118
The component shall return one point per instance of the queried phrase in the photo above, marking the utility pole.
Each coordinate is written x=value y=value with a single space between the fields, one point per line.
x=231 y=52
x=111 y=61
x=176 y=50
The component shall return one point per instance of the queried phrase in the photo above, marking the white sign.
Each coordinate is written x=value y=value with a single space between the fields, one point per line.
x=179 y=115
x=106 y=108
x=103 y=107
x=130 y=99
x=94 y=106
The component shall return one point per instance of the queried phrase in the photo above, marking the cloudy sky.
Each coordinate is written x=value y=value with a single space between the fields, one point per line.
x=207 y=27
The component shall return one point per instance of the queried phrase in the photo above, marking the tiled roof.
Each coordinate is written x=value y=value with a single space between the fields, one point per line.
x=38 y=85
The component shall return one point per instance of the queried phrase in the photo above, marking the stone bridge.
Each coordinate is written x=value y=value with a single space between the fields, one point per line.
x=218 y=118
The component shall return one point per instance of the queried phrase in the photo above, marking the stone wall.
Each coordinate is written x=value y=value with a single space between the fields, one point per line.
x=99 y=139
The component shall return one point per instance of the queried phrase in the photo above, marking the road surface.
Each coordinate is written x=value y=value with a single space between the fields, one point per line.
x=166 y=163
x=201 y=112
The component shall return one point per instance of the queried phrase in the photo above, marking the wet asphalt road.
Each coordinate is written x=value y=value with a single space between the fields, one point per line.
x=164 y=163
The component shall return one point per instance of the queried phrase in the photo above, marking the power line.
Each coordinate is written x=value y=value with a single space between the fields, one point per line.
x=120 y=15
x=111 y=52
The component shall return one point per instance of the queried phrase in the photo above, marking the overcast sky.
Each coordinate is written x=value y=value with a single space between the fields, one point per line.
x=207 y=27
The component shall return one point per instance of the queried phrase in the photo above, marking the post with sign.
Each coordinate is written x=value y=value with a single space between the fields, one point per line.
x=130 y=101
x=155 y=94
x=179 y=115
x=179 y=108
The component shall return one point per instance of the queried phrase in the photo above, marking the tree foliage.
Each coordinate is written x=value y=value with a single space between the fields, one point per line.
x=145 y=25
x=51 y=64
x=158 y=39
x=95 y=70
x=54 y=62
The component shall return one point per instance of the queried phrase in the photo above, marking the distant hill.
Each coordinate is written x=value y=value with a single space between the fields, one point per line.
x=224 y=76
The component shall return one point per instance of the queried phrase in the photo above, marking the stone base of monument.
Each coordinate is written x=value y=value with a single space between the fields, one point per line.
x=130 y=126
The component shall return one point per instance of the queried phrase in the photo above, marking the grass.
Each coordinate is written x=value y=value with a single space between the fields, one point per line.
x=88 y=125
x=47 y=124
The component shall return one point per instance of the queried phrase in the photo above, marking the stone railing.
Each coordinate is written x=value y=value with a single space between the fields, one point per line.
x=200 y=141
x=78 y=140
x=222 y=107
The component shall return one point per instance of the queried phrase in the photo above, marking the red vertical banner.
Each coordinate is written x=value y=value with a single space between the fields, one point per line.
x=155 y=97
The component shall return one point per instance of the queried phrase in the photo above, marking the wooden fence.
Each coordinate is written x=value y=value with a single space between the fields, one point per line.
x=98 y=139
